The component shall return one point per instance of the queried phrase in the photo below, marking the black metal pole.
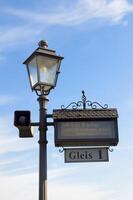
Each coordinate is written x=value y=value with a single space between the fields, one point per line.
x=42 y=147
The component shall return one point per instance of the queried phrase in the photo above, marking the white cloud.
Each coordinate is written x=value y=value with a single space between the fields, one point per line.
x=26 y=187
x=35 y=21
x=61 y=172
x=15 y=153
x=84 y=10
x=79 y=191
x=15 y=144
x=19 y=187
x=12 y=36
x=5 y=127
x=5 y=99
x=9 y=137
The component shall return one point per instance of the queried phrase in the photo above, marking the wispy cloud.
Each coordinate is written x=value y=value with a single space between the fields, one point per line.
x=61 y=172
x=9 y=137
x=19 y=187
x=6 y=99
x=16 y=156
x=80 y=191
x=11 y=36
x=15 y=144
x=84 y=10
x=34 y=21
x=26 y=187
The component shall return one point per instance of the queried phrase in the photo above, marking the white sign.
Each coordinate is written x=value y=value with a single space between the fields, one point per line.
x=86 y=155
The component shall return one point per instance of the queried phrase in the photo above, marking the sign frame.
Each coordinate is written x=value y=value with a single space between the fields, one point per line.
x=104 y=115
x=79 y=153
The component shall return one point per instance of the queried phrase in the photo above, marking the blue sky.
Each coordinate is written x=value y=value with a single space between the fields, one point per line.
x=95 y=38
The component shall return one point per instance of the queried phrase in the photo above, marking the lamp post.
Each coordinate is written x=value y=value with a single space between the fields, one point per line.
x=95 y=127
x=43 y=68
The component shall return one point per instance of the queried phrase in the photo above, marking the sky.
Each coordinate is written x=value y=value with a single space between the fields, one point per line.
x=95 y=39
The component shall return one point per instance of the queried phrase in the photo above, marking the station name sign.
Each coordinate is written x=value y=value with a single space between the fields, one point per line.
x=90 y=127
x=86 y=155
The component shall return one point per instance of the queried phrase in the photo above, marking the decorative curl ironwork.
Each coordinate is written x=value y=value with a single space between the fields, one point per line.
x=84 y=103
x=61 y=150
x=111 y=149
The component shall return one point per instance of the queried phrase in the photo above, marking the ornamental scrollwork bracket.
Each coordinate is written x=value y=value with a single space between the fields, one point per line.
x=84 y=103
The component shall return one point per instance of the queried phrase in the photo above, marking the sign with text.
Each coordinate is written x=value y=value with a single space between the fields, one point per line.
x=86 y=155
x=96 y=127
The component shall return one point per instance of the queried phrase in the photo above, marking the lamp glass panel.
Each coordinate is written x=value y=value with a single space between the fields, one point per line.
x=33 y=71
x=48 y=68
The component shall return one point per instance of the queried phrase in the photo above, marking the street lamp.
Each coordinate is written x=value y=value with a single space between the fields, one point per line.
x=43 y=68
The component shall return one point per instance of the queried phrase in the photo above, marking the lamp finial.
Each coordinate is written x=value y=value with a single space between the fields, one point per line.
x=43 y=44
